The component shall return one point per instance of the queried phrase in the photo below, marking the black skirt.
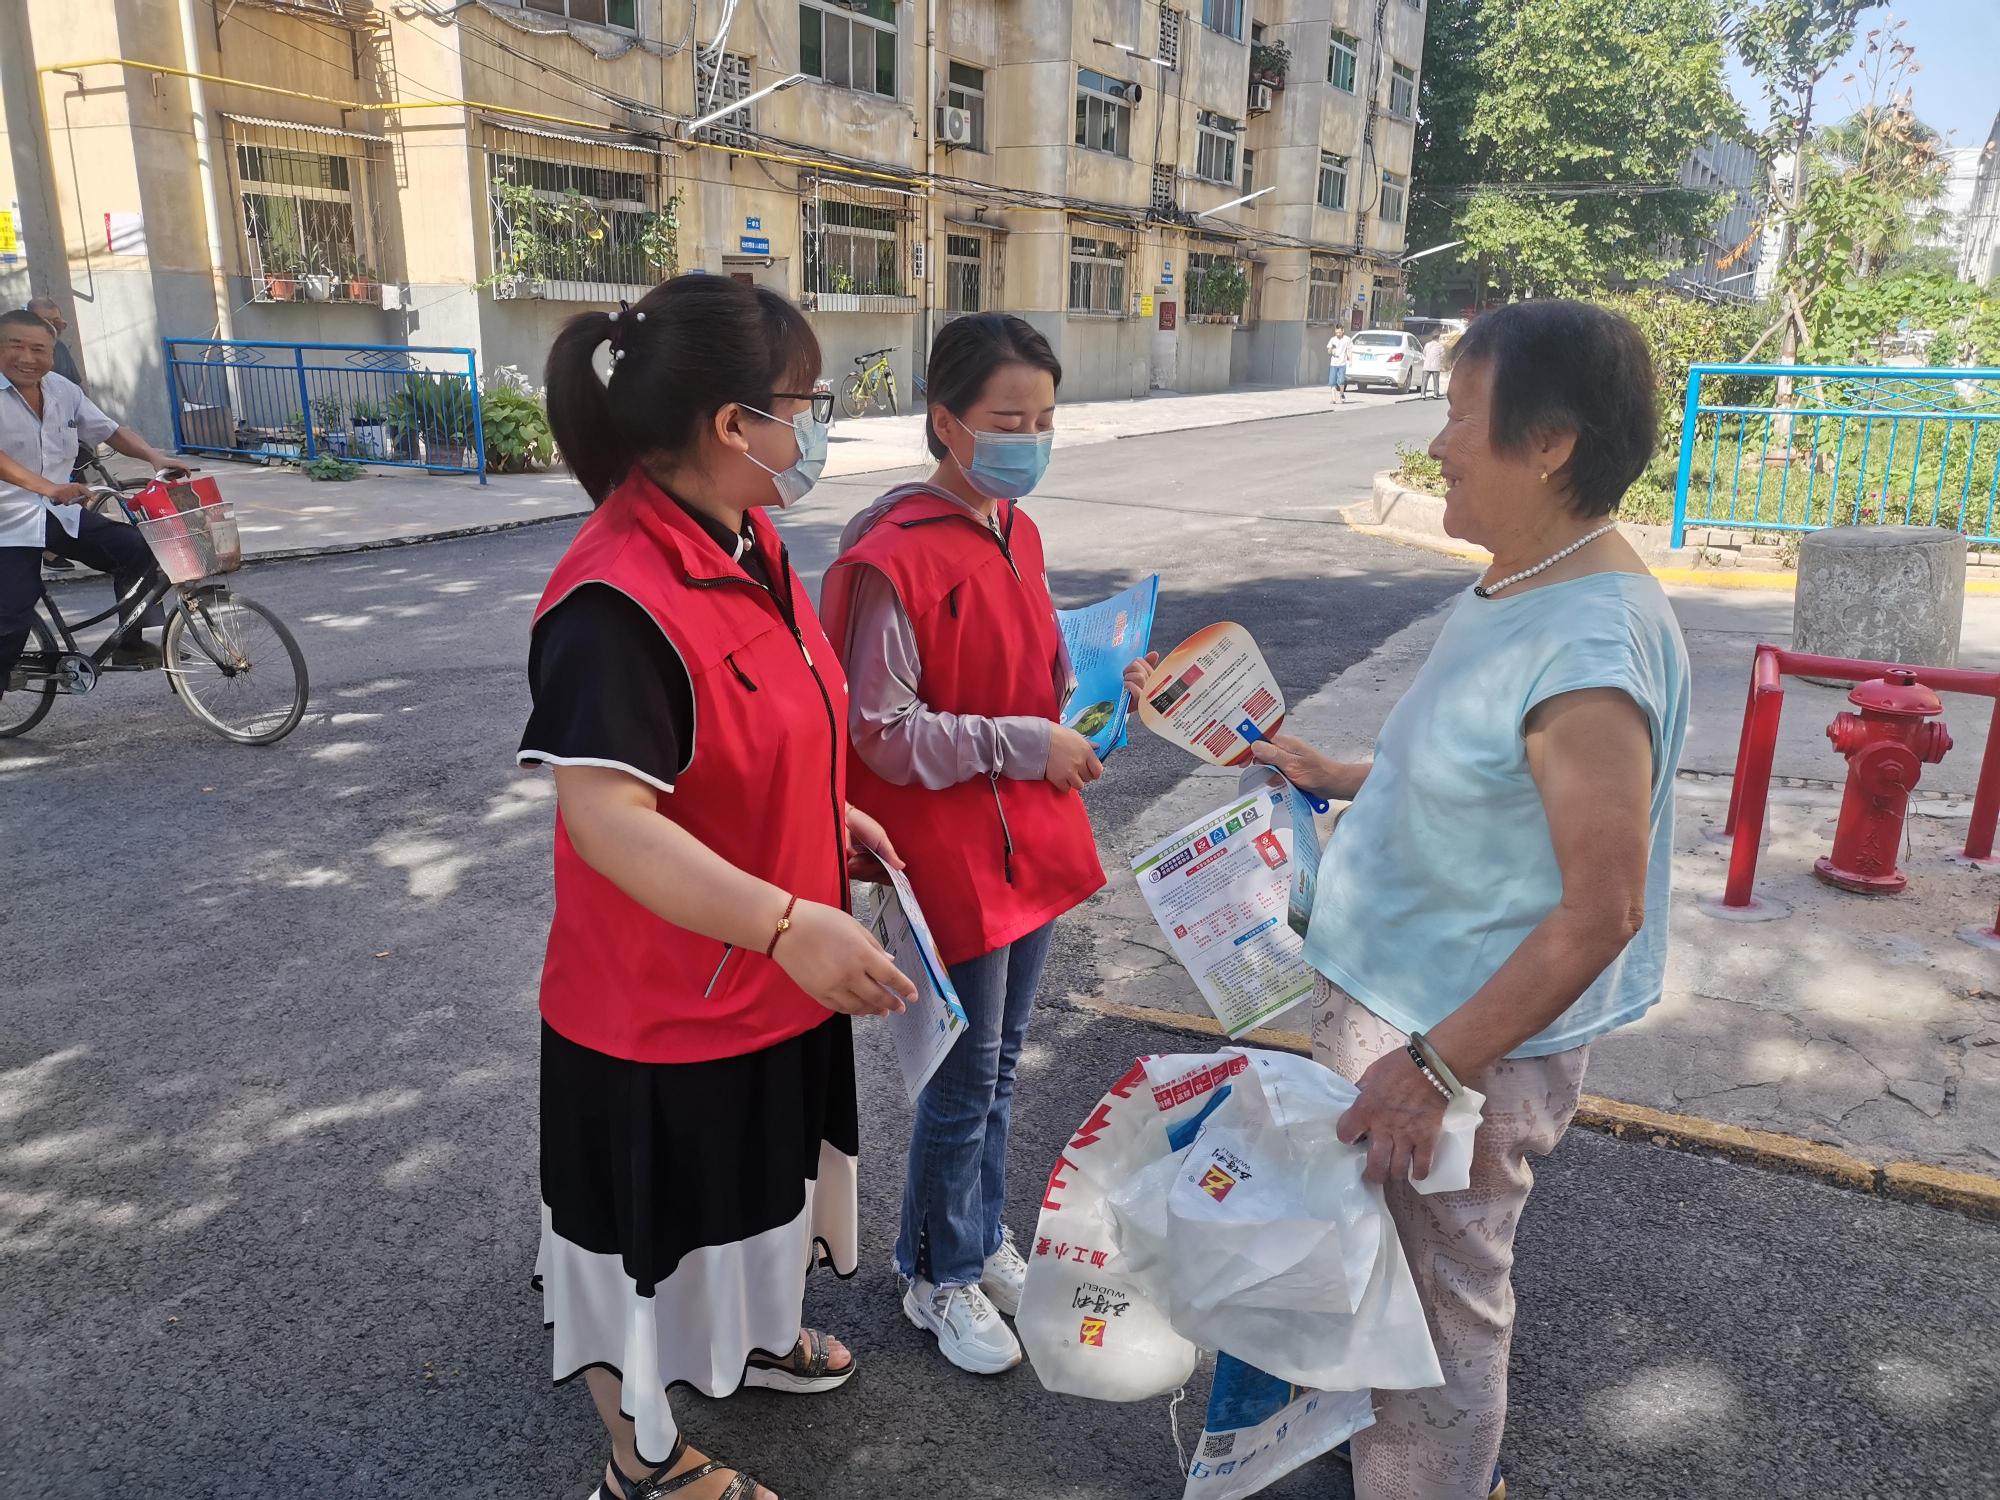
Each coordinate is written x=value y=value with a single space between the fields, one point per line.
x=682 y=1204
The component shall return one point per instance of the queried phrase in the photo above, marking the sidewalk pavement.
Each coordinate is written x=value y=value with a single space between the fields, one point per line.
x=1862 y=1022
x=283 y=514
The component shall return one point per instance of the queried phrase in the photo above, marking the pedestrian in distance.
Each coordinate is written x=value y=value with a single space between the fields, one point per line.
x=1495 y=899
x=1338 y=349
x=1433 y=367
x=698 y=1111
x=42 y=417
x=957 y=673
x=50 y=312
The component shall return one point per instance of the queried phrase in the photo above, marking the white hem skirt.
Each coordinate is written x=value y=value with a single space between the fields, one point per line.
x=683 y=1203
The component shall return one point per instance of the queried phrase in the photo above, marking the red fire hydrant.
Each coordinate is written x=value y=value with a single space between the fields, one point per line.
x=1887 y=745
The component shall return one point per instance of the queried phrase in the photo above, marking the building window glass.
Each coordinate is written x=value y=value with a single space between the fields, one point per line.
x=1096 y=276
x=568 y=224
x=965 y=281
x=1170 y=37
x=851 y=46
x=723 y=78
x=623 y=14
x=853 y=248
x=1103 y=113
x=1393 y=190
x=299 y=213
x=1249 y=172
x=1323 y=293
x=1332 y=181
x=1402 y=91
x=1342 y=60
x=1225 y=16
x=966 y=89
x=1214 y=146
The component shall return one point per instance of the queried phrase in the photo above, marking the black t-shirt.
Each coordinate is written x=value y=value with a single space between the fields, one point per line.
x=608 y=686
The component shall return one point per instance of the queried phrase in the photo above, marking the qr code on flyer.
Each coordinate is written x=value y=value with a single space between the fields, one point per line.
x=1218 y=1445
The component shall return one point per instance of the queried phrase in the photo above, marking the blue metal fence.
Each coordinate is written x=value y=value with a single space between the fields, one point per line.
x=1850 y=446
x=407 y=406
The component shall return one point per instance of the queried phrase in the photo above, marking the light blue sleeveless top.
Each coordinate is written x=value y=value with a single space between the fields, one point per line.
x=1444 y=862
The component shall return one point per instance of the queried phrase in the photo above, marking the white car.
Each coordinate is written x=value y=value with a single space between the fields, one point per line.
x=1383 y=356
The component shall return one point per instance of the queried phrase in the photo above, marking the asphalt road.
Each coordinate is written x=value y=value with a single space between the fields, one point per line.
x=267 y=1180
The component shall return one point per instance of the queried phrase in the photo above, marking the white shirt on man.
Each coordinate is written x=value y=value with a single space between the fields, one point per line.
x=47 y=444
x=1336 y=349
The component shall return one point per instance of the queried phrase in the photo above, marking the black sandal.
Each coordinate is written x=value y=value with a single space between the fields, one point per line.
x=657 y=1484
x=806 y=1371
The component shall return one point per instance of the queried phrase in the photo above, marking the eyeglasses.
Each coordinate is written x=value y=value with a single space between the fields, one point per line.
x=821 y=402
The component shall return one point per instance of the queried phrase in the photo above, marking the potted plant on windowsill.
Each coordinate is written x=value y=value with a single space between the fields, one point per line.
x=360 y=280
x=1269 y=63
x=282 y=265
x=318 y=285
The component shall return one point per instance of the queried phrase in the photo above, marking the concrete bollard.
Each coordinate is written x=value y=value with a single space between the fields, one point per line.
x=1881 y=593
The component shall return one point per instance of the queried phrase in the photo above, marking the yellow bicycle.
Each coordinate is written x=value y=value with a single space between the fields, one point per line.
x=871 y=383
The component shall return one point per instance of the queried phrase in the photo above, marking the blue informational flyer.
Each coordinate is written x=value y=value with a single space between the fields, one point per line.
x=1260 y=1429
x=1103 y=639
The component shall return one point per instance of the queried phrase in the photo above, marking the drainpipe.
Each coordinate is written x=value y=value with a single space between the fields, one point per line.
x=920 y=356
x=225 y=319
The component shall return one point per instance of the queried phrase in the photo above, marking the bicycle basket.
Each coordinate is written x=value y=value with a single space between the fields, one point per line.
x=195 y=544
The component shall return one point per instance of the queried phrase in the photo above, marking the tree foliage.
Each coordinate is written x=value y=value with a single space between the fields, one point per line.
x=1578 y=93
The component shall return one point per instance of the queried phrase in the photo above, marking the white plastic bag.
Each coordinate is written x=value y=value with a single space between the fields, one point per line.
x=1208 y=1201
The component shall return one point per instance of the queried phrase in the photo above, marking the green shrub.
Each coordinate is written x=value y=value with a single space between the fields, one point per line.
x=1417 y=470
x=327 y=467
x=517 y=432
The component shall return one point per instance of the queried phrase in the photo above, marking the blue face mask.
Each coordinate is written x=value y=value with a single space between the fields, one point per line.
x=792 y=484
x=1008 y=465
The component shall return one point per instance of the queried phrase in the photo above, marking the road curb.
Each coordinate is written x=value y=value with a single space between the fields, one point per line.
x=1971 y=1193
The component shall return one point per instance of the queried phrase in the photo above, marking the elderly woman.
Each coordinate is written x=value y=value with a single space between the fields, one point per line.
x=1496 y=897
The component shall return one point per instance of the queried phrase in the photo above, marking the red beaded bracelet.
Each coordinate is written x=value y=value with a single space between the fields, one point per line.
x=784 y=926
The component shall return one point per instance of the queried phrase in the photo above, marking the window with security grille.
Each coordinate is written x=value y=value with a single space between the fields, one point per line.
x=853 y=248
x=1402 y=91
x=1323 y=293
x=1332 y=181
x=623 y=14
x=1096 y=276
x=723 y=79
x=851 y=45
x=304 y=212
x=572 y=224
x=1214 y=146
x=1163 y=189
x=1208 y=278
x=1103 y=113
x=964 y=273
x=965 y=88
x=1343 y=60
x=1395 y=189
x=1170 y=37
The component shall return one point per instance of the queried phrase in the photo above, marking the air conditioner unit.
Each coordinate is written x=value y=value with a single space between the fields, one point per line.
x=954 y=125
x=1260 y=98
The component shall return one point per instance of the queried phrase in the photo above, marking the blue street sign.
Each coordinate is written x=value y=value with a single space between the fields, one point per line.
x=753 y=222
x=751 y=244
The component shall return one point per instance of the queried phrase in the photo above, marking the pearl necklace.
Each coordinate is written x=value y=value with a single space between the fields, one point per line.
x=1488 y=590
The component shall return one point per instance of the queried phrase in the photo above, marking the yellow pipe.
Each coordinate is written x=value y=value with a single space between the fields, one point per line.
x=272 y=88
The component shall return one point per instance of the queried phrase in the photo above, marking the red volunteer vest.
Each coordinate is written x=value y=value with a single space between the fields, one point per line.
x=765 y=788
x=991 y=859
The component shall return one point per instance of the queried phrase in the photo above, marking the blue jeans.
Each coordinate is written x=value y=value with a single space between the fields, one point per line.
x=957 y=1182
x=1336 y=376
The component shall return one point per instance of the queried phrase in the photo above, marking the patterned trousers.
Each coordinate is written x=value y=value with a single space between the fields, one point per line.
x=1443 y=1443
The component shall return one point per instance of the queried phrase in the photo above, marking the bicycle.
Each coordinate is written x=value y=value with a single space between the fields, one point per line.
x=872 y=382
x=232 y=663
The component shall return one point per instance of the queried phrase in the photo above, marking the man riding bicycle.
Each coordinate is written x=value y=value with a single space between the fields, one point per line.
x=43 y=417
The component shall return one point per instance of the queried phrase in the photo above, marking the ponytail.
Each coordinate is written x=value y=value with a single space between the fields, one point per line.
x=691 y=346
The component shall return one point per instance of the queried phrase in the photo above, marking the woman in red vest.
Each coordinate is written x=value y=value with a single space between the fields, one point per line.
x=957 y=675
x=698 y=1112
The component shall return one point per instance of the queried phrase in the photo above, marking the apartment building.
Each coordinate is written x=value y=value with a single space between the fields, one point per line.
x=1723 y=259
x=469 y=174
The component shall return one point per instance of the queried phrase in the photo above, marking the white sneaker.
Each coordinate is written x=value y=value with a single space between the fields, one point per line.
x=968 y=1330
x=1006 y=1273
